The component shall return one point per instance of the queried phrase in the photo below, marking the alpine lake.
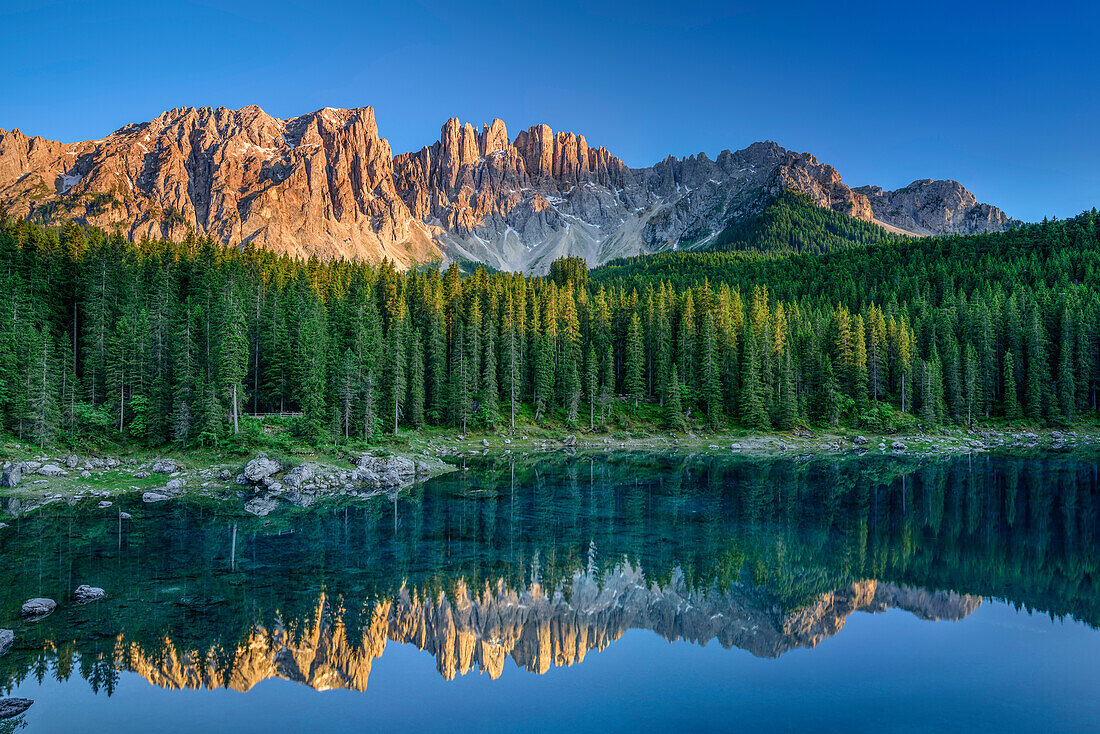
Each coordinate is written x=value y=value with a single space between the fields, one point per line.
x=630 y=591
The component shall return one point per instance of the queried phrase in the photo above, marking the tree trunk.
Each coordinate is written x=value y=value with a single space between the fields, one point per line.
x=236 y=424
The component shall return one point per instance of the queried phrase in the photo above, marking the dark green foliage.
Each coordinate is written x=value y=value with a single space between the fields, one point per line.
x=792 y=223
x=161 y=342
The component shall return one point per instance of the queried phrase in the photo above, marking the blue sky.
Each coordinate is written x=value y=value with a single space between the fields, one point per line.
x=1004 y=97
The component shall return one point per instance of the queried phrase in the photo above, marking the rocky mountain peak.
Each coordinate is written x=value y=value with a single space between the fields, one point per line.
x=327 y=184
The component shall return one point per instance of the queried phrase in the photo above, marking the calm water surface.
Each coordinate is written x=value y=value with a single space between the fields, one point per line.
x=613 y=593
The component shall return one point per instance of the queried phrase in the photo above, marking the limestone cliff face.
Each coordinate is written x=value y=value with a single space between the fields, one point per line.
x=930 y=207
x=481 y=630
x=318 y=184
x=326 y=184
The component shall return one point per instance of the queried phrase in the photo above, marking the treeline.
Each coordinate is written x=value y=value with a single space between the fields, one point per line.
x=163 y=342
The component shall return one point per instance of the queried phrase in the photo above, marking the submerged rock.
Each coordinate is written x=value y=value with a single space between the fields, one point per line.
x=85 y=594
x=7 y=637
x=12 y=707
x=38 y=608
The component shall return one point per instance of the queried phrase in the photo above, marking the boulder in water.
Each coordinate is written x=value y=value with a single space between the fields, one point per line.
x=7 y=637
x=38 y=608
x=85 y=594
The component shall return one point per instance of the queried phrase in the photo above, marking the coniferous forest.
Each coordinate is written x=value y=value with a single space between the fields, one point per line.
x=174 y=343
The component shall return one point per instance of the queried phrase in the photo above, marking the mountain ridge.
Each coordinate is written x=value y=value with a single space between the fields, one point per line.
x=327 y=184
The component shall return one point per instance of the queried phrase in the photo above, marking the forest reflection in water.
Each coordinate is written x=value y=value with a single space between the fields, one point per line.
x=542 y=560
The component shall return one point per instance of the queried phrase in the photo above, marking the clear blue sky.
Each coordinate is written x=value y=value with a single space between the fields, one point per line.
x=1004 y=97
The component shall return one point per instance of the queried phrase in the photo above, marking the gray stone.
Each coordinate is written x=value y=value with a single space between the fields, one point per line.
x=11 y=475
x=124 y=515
x=484 y=442
x=260 y=469
x=12 y=707
x=299 y=475
x=105 y=504
x=38 y=608
x=7 y=637
x=164 y=466
x=153 y=497
x=225 y=475
x=112 y=462
x=141 y=475
x=52 y=470
x=570 y=440
x=176 y=485
x=72 y=461
x=85 y=594
x=85 y=474
x=897 y=445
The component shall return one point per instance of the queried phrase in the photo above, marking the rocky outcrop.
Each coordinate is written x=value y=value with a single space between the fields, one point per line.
x=481 y=629
x=164 y=466
x=317 y=184
x=327 y=184
x=7 y=638
x=11 y=475
x=259 y=469
x=928 y=207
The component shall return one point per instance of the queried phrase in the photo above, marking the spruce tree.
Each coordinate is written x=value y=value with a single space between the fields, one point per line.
x=634 y=361
x=674 y=409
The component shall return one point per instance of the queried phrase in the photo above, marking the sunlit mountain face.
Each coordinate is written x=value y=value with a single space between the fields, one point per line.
x=541 y=563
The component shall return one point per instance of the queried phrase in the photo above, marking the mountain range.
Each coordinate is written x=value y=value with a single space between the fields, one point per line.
x=326 y=184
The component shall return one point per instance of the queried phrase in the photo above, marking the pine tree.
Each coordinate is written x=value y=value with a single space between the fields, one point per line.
x=488 y=398
x=1011 y=399
x=753 y=411
x=634 y=362
x=787 y=413
x=711 y=380
x=416 y=381
x=234 y=356
x=674 y=409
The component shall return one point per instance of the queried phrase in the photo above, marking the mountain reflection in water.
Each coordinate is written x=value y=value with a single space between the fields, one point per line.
x=543 y=560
